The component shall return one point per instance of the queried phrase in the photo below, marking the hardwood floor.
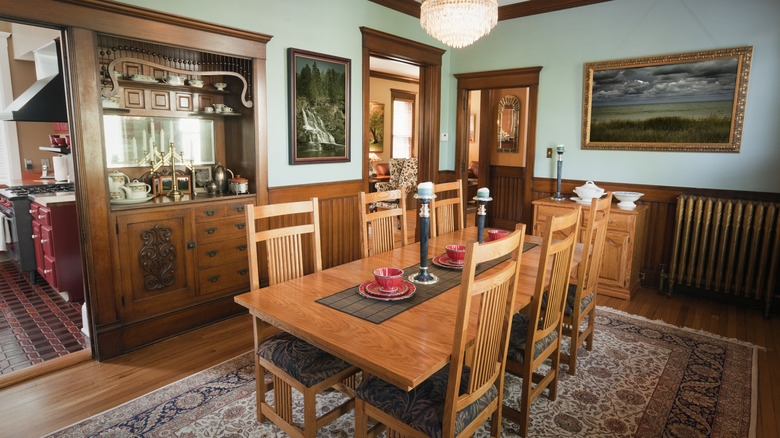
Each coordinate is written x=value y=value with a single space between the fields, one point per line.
x=42 y=405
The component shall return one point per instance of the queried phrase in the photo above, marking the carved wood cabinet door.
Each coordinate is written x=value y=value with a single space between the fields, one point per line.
x=155 y=253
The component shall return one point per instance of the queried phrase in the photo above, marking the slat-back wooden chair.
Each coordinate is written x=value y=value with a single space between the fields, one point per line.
x=427 y=410
x=535 y=337
x=294 y=363
x=447 y=214
x=584 y=292
x=382 y=222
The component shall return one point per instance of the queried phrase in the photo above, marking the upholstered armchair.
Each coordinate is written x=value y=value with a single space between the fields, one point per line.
x=403 y=172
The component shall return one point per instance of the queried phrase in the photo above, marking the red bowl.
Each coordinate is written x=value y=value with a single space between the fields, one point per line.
x=497 y=234
x=53 y=139
x=59 y=141
x=67 y=139
x=388 y=279
x=456 y=253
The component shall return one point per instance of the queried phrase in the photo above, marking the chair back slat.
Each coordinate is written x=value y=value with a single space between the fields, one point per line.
x=284 y=240
x=377 y=229
x=447 y=213
x=494 y=293
x=595 y=234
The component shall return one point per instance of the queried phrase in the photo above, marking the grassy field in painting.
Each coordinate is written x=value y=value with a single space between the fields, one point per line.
x=711 y=129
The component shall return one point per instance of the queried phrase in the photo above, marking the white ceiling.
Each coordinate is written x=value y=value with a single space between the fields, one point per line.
x=394 y=67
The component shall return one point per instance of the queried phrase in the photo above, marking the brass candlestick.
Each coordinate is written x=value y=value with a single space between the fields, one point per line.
x=174 y=194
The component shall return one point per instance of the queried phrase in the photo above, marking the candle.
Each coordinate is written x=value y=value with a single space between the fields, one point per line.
x=484 y=192
x=143 y=138
x=162 y=140
x=425 y=189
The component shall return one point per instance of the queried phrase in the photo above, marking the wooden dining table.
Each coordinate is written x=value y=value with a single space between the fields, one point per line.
x=403 y=350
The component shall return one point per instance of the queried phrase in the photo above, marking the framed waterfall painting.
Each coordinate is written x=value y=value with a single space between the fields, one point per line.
x=686 y=102
x=319 y=107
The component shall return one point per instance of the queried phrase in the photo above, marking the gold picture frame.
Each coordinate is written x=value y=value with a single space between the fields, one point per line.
x=163 y=184
x=685 y=102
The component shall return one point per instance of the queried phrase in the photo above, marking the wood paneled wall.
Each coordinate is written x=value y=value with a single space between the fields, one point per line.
x=662 y=201
x=339 y=222
x=506 y=188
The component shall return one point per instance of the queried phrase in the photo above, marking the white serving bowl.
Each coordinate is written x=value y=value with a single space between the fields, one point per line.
x=627 y=199
x=588 y=191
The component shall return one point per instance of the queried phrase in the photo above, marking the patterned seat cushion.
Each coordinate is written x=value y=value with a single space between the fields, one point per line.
x=301 y=360
x=568 y=310
x=423 y=406
x=518 y=336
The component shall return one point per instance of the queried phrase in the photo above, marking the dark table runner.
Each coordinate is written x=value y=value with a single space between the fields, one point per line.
x=350 y=301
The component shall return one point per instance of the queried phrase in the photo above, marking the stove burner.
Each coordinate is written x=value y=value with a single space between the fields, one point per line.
x=44 y=188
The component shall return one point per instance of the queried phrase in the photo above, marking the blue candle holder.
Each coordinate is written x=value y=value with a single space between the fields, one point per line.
x=424 y=277
x=559 y=150
x=481 y=213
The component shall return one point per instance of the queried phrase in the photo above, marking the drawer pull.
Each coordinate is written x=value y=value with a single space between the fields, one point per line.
x=209 y=212
x=211 y=230
x=241 y=247
x=34 y=236
x=242 y=271
x=240 y=226
x=44 y=240
x=213 y=279
x=32 y=211
x=239 y=208
x=46 y=271
x=212 y=253
x=40 y=216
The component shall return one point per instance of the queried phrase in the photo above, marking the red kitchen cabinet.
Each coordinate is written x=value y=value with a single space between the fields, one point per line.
x=57 y=250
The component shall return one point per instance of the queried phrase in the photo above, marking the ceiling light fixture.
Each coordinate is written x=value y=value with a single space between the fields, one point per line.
x=458 y=23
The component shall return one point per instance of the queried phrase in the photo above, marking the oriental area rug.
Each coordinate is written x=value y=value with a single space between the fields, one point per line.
x=642 y=379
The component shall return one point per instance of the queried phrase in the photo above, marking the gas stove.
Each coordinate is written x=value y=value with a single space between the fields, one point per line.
x=18 y=192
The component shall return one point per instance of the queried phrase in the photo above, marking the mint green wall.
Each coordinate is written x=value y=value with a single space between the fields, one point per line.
x=561 y=42
x=325 y=26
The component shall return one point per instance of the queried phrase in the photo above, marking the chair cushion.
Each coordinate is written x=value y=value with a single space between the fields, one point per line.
x=423 y=407
x=568 y=310
x=301 y=360
x=396 y=167
x=518 y=336
x=382 y=169
x=408 y=175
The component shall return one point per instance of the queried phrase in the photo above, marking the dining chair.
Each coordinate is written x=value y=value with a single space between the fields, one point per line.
x=294 y=363
x=447 y=213
x=584 y=291
x=377 y=229
x=457 y=399
x=535 y=336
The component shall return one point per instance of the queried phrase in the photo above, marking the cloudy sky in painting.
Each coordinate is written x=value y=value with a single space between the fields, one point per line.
x=668 y=83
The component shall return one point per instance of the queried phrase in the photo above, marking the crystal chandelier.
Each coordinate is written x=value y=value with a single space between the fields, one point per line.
x=458 y=23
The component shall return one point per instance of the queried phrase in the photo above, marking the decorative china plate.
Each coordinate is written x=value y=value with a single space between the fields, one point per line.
x=445 y=262
x=370 y=289
x=130 y=201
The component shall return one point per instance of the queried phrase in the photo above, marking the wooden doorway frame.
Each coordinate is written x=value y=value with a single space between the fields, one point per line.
x=428 y=58
x=485 y=81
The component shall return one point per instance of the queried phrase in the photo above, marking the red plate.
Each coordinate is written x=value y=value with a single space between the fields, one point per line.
x=370 y=289
x=445 y=262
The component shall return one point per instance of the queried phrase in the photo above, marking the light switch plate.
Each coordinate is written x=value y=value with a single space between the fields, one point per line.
x=444 y=136
x=549 y=152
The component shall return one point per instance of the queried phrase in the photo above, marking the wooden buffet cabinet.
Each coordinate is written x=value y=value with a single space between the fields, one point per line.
x=626 y=238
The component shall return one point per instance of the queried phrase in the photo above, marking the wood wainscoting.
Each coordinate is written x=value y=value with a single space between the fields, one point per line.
x=662 y=201
x=339 y=222
x=507 y=188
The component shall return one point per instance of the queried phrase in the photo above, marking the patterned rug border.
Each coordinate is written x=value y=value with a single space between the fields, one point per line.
x=704 y=333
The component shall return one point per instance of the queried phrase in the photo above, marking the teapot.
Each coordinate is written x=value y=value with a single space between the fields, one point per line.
x=137 y=190
x=588 y=191
x=221 y=178
x=116 y=182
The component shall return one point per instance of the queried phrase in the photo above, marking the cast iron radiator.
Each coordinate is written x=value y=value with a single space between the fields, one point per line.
x=727 y=246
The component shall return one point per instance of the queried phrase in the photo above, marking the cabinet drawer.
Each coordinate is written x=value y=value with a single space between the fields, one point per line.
x=230 y=277
x=46 y=241
x=50 y=271
x=620 y=223
x=220 y=253
x=237 y=208
x=209 y=212
x=43 y=215
x=225 y=229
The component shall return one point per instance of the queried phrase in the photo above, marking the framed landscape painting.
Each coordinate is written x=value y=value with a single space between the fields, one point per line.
x=687 y=102
x=319 y=108
x=376 y=126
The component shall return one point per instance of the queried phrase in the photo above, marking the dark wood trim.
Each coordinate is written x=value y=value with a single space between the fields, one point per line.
x=393 y=77
x=303 y=192
x=534 y=7
x=429 y=59
x=515 y=10
x=509 y=78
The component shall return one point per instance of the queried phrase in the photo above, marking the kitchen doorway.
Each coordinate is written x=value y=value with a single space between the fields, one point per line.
x=42 y=326
x=505 y=125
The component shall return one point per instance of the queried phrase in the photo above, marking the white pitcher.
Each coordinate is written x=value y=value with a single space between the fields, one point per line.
x=116 y=181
